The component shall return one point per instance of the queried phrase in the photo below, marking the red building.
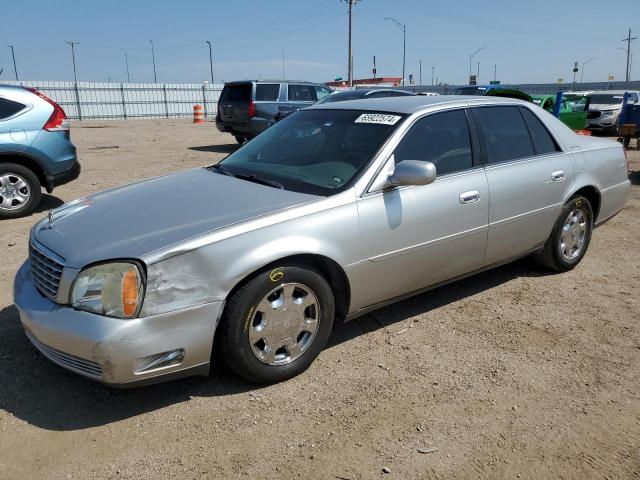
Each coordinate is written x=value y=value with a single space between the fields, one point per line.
x=395 y=81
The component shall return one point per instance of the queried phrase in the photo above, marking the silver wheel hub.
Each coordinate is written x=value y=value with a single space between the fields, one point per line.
x=574 y=234
x=14 y=191
x=284 y=324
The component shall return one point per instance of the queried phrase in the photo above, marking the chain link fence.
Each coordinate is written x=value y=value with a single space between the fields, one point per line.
x=89 y=100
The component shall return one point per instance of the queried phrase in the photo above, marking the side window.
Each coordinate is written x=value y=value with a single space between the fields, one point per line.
x=633 y=97
x=504 y=133
x=442 y=139
x=322 y=92
x=267 y=92
x=8 y=108
x=302 y=93
x=543 y=142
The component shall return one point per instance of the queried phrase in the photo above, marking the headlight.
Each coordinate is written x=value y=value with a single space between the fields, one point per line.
x=607 y=113
x=112 y=289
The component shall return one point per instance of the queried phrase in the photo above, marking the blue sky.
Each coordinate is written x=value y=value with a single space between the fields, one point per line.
x=522 y=38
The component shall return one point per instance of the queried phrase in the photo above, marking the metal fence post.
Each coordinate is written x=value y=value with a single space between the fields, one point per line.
x=204 y=98
x=124 y=103
x=166 y=105
x=78 y=101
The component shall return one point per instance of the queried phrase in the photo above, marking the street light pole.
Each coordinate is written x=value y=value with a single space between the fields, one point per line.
x=153 y=58
x=420 y=71
x=210 y=62
x=73 y=57
x=433 y=70
x=582 y=69
x=13 y=55
x=402 y=27
x=471 y=60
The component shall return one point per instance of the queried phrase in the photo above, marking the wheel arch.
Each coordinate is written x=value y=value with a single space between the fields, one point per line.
x=27 y=161
x=329 y=268
x=592 y=194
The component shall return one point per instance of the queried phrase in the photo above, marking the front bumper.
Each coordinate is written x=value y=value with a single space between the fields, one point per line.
x=105 y=349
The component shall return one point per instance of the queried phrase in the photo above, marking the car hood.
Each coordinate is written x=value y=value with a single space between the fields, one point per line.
x=136 y=219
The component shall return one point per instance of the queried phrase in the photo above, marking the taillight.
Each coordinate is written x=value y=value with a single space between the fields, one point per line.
x=252 y=109
x=58 y=120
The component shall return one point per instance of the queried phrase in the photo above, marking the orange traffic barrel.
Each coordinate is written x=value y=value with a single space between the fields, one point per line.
x=198 y=114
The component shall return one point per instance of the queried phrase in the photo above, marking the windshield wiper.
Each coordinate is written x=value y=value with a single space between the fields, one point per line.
x=221 y=169
x=262 y=181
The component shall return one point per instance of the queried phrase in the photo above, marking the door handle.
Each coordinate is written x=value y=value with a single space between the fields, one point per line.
x=558 y=176
x=470 y=197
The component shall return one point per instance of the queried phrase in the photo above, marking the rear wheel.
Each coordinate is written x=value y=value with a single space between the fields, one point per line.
x=240 y=139
x=277 y=323
x=570 y=236
x=19 y=191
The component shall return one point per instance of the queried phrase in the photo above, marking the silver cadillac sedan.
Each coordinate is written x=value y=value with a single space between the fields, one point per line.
x=335 y=211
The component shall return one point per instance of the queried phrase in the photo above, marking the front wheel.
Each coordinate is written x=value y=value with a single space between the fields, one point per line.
x=277 y=323
x=240 y=139
x=19 y=191
x=570 y=236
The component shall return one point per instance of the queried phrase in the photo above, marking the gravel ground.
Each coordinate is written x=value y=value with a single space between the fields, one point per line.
x=514 y=373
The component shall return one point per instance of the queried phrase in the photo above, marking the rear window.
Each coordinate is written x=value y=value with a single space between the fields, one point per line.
x=505 y=134
x=9 y=108
x=236 y=93
x=267 y=92
x=302 y=93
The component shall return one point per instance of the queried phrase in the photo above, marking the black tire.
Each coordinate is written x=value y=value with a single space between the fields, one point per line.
x=550 y=256
x=626 y=141
x=233 y=333
x=30 y=178
x=240 y=139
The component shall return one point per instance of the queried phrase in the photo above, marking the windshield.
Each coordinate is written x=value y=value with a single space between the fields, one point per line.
x=605 y=99
x=469 y=91
x=319 y=152
x=341 y=97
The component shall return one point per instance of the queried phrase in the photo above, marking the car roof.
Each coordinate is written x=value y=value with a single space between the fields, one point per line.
x=368 y=91
x=611 y=92
x=303 y=82
x=413 y=103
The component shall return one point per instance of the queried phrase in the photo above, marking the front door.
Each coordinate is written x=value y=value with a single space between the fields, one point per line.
x=417 y=236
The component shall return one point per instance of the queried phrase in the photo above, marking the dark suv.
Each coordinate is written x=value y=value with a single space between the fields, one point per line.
x=245 y=108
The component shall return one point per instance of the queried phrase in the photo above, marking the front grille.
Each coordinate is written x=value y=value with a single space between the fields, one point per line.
x=593 y=114
x=46 y=272
x=65 y=359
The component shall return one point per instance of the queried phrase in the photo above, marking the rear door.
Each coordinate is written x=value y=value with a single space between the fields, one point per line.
x=12 y=135
x=529 y=177
x=301 y=96
x=234 y=102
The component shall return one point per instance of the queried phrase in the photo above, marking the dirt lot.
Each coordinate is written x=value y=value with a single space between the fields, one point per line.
x=515 y=373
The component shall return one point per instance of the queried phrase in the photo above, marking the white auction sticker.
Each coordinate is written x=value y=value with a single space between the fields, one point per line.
x=379 y=118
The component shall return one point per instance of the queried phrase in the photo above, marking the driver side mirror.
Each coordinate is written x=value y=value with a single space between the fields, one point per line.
x=412 y=172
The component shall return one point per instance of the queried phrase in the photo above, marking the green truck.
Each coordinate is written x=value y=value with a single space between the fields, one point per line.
x=573 y=109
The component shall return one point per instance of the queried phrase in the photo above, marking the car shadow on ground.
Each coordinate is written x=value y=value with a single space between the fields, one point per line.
x=47 y=203
x=635 y=178
x=227 y=148
x=47 y=396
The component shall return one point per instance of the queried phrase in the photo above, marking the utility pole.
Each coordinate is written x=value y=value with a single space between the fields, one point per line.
x=283 y=76
x=73 y=56
x=495 y=72
x=629 y=39
x=210 y=62
x=126 y=62
x=13 y=55
x=75 y=77
x=478 y=74
x=402 y=27
x=153 y=57
x=433 y=71
x=351 y=3
x=420 y=72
